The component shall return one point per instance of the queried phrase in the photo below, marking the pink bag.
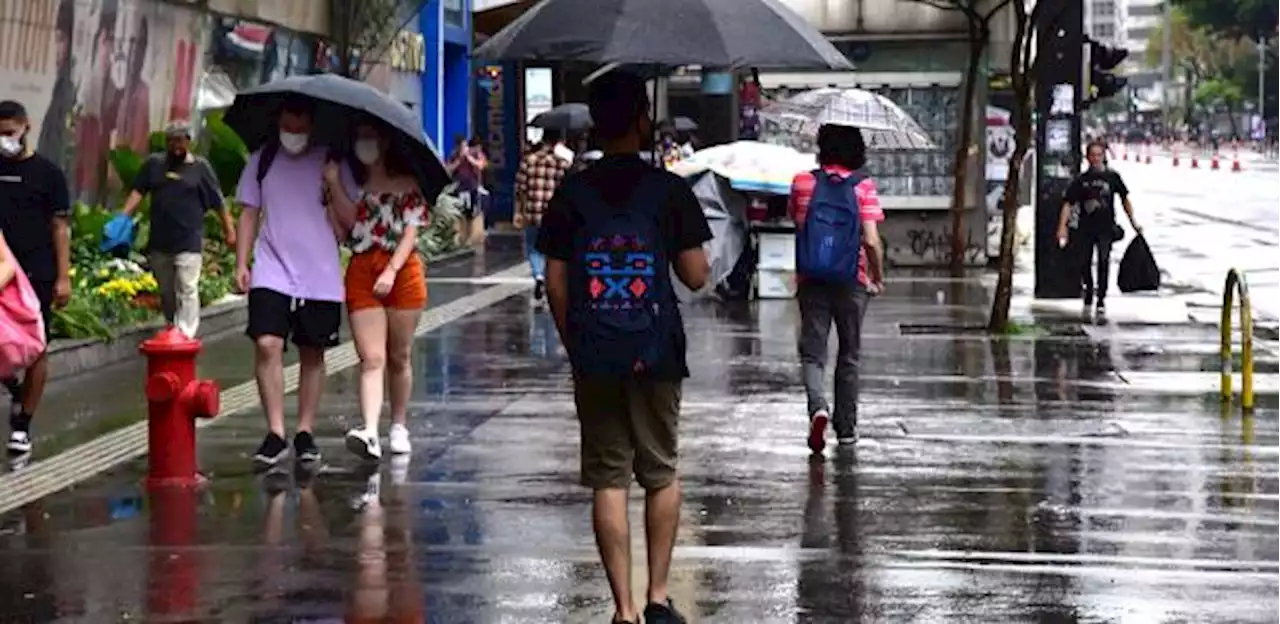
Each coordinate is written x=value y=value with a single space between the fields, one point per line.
x=22 y=338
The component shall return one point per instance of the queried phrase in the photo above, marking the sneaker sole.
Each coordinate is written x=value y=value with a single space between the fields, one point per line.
x=360 y=449
x=818 y=433
x=264 y=462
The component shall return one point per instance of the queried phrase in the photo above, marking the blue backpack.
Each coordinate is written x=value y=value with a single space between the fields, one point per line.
x=828 y=246
x=622 y=306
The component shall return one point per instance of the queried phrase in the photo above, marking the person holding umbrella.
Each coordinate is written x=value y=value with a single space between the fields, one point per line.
x=385 y=286
x=294 y=284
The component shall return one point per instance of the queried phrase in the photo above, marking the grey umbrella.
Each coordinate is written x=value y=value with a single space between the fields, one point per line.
x=712 y=33
x=571 y=117
x=684 y=124
x=253 y=116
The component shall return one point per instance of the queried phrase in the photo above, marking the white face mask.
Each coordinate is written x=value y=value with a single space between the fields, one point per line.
x=294 y=143
x=10 y=146
x=367 y=151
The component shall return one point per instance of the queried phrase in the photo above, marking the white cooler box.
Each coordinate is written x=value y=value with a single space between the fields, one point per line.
x=777 y=251
x=775 y=284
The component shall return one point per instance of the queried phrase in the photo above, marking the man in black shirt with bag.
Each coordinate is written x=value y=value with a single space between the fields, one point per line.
x=1088 y=220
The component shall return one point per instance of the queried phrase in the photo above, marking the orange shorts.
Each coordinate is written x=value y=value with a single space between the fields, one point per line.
x=408 y=293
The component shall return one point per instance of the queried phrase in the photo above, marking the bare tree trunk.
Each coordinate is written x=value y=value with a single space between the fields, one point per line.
x=978 y=37
x=1022 y=74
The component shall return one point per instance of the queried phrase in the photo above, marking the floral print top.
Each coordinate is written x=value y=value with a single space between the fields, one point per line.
x=381 y=219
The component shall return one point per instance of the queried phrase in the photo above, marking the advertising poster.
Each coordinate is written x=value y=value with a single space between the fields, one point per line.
x=498 y=122
x=999 y=146
x=537 y=99
x=96 y=74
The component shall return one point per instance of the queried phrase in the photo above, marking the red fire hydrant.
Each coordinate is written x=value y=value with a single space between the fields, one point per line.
x=175 y=398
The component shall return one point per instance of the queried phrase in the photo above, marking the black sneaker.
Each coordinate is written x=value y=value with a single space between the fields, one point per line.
x=270 y=452
x=304 y=447
x=656 y=613
x=539 y=291
x=19 y=433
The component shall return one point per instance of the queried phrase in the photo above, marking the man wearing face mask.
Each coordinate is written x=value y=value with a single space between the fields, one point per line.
x=295 y=282
x=183 y=188
x=34 y=206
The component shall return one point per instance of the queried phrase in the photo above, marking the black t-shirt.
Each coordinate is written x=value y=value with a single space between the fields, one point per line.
x=1093 y=192
x=683 y=224
x=33 y=192
x=180 y=192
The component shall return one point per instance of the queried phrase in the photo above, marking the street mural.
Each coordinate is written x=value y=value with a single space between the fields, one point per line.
x=96 y=74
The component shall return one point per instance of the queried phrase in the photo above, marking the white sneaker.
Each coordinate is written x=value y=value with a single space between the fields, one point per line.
x=364 y=444
x=19 y=442
x=398 y=440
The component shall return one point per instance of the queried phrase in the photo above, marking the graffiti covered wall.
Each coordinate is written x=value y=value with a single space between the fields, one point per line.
x=915 y=239
x=95 y=74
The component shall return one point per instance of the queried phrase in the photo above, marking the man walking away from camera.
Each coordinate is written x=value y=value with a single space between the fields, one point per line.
x=34 y=208
x=1088 y=221
x=537 y=179
x=612 y=234
x=840 y=266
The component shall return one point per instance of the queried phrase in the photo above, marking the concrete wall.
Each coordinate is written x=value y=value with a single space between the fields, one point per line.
x=308 y=16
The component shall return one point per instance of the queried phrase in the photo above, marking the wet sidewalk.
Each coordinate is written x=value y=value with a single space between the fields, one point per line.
x=88 y=406
x=1004 y=481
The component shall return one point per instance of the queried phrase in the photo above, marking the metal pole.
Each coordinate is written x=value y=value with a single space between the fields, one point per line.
x=1166 y=64
x=1262 y=83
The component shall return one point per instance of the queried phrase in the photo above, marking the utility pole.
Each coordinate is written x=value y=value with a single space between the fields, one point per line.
x=1060 y=79
x=1166 y=65
x=1262 y=83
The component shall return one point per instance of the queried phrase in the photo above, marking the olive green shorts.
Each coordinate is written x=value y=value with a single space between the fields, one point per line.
x=628 y=427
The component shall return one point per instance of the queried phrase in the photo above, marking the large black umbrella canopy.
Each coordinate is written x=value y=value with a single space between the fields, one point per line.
x=571 y=117
x=713 y=33
x=340 y=101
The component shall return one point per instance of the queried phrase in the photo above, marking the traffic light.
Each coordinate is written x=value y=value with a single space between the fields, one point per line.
x=1102 y=61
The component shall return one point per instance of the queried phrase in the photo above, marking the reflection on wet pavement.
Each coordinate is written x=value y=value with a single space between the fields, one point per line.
x=1009 y=481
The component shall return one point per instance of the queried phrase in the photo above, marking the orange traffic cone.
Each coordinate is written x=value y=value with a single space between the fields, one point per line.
x=1235 y=162
x=1195 y=161
x=1215 y=164
x=1175 y=156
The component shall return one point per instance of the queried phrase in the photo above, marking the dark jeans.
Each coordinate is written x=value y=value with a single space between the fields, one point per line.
x=1102 y=245
x=822 y=305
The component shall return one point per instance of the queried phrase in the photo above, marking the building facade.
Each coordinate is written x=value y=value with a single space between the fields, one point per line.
x=446 y=83
x=1104 y=21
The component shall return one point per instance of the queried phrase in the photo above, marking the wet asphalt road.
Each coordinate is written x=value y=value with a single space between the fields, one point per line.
x=1004 y=482
x=1200 y=223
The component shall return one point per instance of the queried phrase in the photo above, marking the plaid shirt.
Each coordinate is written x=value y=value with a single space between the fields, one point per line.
x=540 y=173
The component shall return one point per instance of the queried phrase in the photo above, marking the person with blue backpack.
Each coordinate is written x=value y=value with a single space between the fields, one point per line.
x=839 y=267
x=612 y=234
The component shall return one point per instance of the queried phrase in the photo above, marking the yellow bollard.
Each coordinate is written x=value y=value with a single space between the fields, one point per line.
x=1236 y=284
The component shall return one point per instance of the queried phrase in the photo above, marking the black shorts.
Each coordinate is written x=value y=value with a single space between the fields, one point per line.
x=308 y=322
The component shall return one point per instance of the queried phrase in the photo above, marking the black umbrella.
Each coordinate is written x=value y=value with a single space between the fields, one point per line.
x=570 y=117
x=712 y=33
x=253 y=117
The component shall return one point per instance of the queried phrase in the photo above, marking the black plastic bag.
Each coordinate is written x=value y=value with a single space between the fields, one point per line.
x=1138 y=270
